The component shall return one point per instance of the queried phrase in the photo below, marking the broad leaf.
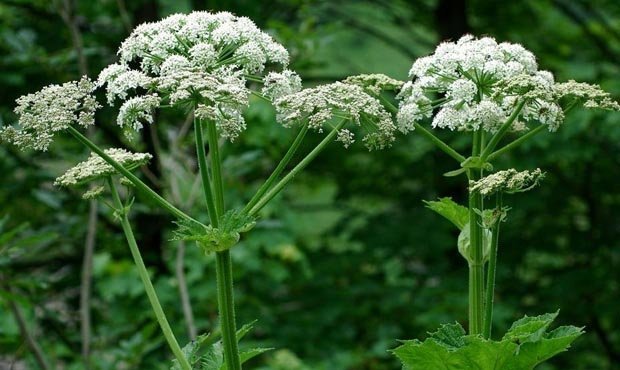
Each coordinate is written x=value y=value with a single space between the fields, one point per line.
x=525 y=345
x=452 y=211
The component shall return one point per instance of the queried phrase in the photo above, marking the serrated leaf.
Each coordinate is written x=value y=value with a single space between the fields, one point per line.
x=450 y=210
x=247 y=355
x=529 y=328
x=449 y=336
x=525 y=346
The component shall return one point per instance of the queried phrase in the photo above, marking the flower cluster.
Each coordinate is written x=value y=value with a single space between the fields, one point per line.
x=478 y=83
x=375 y=83
x=319 y=105
x=52 y=109
x=508 y=181
x=200 y=60
x=277 y=85
x=96 y=167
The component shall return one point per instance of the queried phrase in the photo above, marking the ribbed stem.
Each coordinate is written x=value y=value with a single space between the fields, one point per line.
x=223 y=263
x=146 y=280
x=300 y=166
x=490 y=287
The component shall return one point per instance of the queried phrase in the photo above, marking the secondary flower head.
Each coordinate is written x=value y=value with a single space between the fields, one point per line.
x=508 y=181
x=319 y=105
x=477 y=83
x=200 y=60
x=95 y=167
x=375 y=83
x=52 y=109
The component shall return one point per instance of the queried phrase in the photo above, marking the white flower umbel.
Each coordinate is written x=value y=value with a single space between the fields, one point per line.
x=319 y=105
x=199 y=61
x=507 y=181
x=477 y=83
x=96 y=168
x=52 y=109
x=375 y=83
x=137 y=110
x=278 y=84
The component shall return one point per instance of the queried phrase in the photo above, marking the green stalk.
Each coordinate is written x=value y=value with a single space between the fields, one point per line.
x=426 y=133
x=476 y=271
x=300 y=166
x=439 y=143
x=278 y=170
x=491 y=269
x=204 y=172
x=146 y=280
x=139 y=185
x=501 y=132
x=516 y=142
x=223 y=263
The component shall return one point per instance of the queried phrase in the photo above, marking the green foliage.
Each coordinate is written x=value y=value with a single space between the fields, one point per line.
x=450 y=210
x=215 y=239
x=205 y=353
x=524 y=346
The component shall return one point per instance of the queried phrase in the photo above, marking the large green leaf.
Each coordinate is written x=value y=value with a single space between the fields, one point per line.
x=524 y=346
x=452 y=211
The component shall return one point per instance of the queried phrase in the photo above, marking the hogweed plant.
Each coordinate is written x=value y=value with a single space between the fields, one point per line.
x=210 y=65
x=495 y=94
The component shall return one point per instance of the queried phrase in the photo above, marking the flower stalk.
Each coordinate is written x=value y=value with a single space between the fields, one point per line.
x=146 y=280
x=491 y=269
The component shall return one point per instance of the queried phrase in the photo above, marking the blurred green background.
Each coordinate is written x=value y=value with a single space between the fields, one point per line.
x=347 y=259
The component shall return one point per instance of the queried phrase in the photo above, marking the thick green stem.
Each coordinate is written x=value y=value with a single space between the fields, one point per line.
x=204 y=172
x=491 y=269
x=278 y=170
x=476 y=271
x=139 y=185
x=146 y=280
x=300 y=166
x=223 y=263
x=516 y=142
x=501 y=132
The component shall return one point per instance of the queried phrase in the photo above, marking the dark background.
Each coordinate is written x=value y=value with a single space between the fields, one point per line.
x=348 y=259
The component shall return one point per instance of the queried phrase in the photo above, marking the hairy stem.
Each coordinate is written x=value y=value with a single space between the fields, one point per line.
x=146 y=280
x=223 y=263
x=139 y=185
x=278 y=170
x=300 y=166
x=476 y=272
x=491 y=269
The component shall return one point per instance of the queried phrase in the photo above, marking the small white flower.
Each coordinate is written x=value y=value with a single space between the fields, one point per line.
x=346 y=137
x=278 y=84
x=321 y=104
x=477 y=83
x=95 y=167
x=507 y=181
x=52 y=109
x=137 y=110
x=462 y=90
x=375 y=83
